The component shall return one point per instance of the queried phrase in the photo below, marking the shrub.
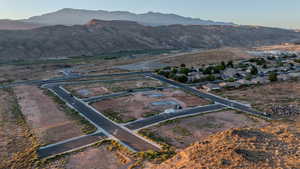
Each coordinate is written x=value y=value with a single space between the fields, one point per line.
x=184 y=71
x=273 y=77
x=182 y=79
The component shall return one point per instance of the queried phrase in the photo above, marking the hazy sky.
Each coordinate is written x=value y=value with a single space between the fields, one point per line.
x=275 y=13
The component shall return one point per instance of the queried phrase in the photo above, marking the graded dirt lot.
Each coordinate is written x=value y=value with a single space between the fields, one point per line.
x=101 y=88
x=99 y=157
x=183 y=132
x=143 y=104
x=267 y=97
x=287 y=47
x=17 y=143
x=46 y=118
x=207 y=57
x=30 y=72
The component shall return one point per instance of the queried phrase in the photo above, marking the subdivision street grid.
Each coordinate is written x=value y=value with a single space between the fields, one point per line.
x=125 y=134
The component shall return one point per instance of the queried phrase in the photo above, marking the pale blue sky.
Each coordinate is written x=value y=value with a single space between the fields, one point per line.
x=275 y=13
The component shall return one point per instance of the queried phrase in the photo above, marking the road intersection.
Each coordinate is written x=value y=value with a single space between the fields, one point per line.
x=125 y=134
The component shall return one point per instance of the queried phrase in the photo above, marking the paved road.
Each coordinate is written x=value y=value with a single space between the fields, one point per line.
x=69 y=145
x=119 y=94
x=167 y=116
x=96 y=81
x=63 y=79
x=125 y=136
x=216 y=99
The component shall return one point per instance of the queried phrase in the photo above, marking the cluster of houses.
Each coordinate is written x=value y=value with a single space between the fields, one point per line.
x=260 y=70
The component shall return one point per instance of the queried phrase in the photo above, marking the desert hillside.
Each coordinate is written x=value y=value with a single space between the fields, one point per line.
x=99 y=37
x=275 y=146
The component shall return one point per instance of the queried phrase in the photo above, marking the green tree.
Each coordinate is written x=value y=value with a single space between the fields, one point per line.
x=230 y=64
x=254 y=70
x=248 y=77
x=273 y=76
x=174 y=70
x=210 y=78
x=182 y=79
x=184 y=70
x=208 y=70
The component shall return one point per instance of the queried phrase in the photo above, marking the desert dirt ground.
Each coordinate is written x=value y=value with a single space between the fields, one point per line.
x=183 y=132
x=101 y=88
x=96 y=157
x=31 y=72
x=207 y=57
x=287 y=47
x=265 y=97
x=17 y=143
x=273 y=146
x=49 y=121
x=139 y=104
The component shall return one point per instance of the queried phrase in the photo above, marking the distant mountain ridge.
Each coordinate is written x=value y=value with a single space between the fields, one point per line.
x=97 y=37
x=6 y=24
x=70 y=17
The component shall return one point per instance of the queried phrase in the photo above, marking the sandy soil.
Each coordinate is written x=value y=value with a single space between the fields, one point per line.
x=183 y=132
x=16 y=139
x=139 y=104
x=44 y=116
x=92 y=158
x=10 y=132
x=101 y=88
x=30 y=72
x=288 y=47
x=266 y=96
x=207 y=57
x=274 y=146
x=100 y=158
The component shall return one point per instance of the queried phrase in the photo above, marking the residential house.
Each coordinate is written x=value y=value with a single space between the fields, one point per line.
x=194 y=76
x=244 y=82
x=230 y=84
x=229 y=73
x=260 y=80
x=283 y=77
x=294 y=75
x=211 y=86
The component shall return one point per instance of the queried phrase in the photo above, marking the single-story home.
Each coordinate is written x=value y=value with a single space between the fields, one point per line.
x=211 y=86
x=260 y=80
x=230 y=84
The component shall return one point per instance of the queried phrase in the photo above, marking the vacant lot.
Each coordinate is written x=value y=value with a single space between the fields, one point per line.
x=207 y=57
x=20 y=73
x=99 y=157
x=47 y=119
x=183 y=132
x=17 y=144
x=289 y=47
x=101 y=88
x=267 y=97
x=142 y=104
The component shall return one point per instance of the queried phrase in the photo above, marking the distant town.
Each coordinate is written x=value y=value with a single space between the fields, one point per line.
x=267 y=67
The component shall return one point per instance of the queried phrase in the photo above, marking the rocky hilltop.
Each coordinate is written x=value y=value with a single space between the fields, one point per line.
x=275 y=146
x=98 y=37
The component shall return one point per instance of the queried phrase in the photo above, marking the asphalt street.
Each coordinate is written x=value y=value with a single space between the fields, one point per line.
x=119 y=94
x=64 y=79
x=123 y=135
x=166 y=116
x=72 y=144
x=216 y=99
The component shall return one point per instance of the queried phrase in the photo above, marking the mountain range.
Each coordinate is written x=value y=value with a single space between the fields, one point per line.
x=100 y=36
x=69 y=17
